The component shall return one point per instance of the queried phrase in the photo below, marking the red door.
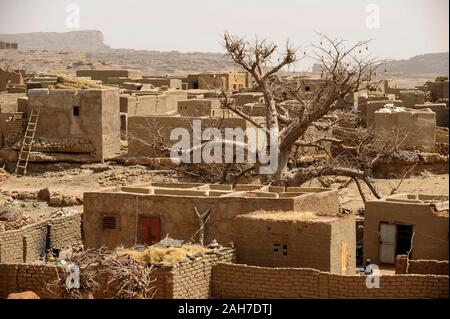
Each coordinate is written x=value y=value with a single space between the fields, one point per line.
x=149 y=230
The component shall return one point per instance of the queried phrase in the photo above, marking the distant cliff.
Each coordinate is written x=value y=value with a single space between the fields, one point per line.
x=88 y=40
x=431 y=63
x=70 y=51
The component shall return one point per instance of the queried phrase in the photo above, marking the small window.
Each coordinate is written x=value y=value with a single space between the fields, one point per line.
x=276 y=247
x=109 y=222
x=284 y=250
x=280 y=249
x=307 y=88
x=76 y=111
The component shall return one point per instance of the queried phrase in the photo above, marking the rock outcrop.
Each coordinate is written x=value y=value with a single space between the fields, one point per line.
x=86 y=40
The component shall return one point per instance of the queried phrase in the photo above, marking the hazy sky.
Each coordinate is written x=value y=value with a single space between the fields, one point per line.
x=406 y=27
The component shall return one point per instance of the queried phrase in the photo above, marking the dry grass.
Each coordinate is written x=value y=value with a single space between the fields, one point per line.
x=154 y=255
x=67 y=82
x=284 y=215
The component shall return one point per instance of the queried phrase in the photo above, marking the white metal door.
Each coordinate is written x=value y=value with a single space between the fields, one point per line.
x=387 y=243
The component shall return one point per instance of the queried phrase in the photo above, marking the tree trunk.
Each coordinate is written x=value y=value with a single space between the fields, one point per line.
x=279 y=177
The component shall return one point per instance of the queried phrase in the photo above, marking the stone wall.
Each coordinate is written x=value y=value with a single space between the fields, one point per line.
x=428 y=267
x=189 y=279
x=65 y=231
x=22 y=277
x=11 y=128
x=23 y=245
x=421 y=266
x=30 y=242
x=243 y=281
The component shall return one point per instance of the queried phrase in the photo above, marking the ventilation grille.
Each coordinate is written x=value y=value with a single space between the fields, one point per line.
x=109 y=222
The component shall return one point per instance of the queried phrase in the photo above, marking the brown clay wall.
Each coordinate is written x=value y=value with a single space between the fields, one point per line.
x=243 y=281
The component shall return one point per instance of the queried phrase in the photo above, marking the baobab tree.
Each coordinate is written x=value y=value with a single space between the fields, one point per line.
x=345 y=70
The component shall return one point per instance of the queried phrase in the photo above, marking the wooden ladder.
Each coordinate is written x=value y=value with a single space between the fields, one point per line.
x=27 y=142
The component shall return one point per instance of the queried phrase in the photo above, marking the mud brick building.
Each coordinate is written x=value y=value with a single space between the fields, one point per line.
x=232 y=80
x=296 y=239
x=76 y=125
x=201 y=107
x=147 y=213
x=106 y=75
x=243 y=98
x=411 y=97
x=8 y=45
x=404 y=222
x=152 y=102
x=415 y=129
x=171 y=83
x=8 y=78
x=149 y=136
x=438 y=88
x=368 y=108
x=441 y=110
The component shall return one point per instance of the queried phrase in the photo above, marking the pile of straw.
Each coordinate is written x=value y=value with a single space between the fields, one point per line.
x=66 y=82
x=155 y=255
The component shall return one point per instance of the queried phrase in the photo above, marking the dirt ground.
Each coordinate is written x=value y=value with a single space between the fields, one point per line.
x=21 y=194
x=74 y=182
x=22 y=191
x=424 y=184
x=88 y=178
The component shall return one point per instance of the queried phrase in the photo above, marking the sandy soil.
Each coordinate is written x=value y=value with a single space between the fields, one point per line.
x=425 y=184
x=76 y=181
x=21 y=191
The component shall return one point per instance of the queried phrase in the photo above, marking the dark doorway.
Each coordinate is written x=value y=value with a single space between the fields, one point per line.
x=149 y=230
x=404 y=236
